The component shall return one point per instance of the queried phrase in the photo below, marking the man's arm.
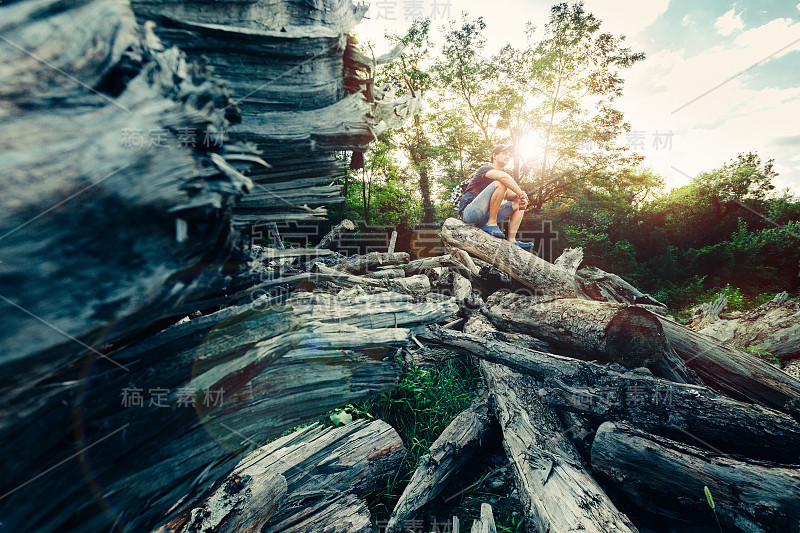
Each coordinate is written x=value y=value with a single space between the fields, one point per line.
x=505 y=179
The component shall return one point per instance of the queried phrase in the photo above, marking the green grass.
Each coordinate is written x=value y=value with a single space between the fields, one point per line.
x=420 y=408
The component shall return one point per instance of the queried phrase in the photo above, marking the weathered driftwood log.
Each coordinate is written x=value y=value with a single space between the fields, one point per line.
x=687 y=413
x=121 y=233
x=604 y=331
x=315 y=466
x=268 y=254
x=244 y=502
x=383 y=310
x=670 y=366
x=774 y=326
x=479 y=325
x=224 y=382
x=421 y=266
x=415 y=285
x=335 y=513
x=462 y=257
x=327 y=240
x=525 y=267
x=388 y=273
x=462 y=289
x=579 y=429
x=557 y=492
x=485 y=524
x=570 y=259
x=361 y=264
x=667 y=477
x=321 y=463
x=603 y=286
x=311 y=466
x=457 y=444
x=734 y=372
x=313 y=96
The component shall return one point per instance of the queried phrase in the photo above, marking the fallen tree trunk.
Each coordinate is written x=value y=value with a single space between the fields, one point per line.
x=341 y=513
x=525 y=267
x=557 y=492
x=421 y=266
x=315 y=467
x=734 y=372
x=196 y=391
x=604 y=331
x=327 y=240
x=457 y=444
x=244 y=502
x=606 y=287
x=774 y=326
x=667 y=477
x=320 y=464
x=674 y=410
x=361 y=264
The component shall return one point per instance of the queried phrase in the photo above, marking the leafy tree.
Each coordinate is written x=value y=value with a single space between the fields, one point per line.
x=409 y=74
x=564 y=86
x=743 y=178
x=467 y=76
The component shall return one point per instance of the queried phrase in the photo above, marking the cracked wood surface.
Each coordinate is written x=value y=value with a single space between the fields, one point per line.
x=734 y=372
x=687 y=413
x=525 y=267
x=605 y=331
x=668 y=477
x=556 y=490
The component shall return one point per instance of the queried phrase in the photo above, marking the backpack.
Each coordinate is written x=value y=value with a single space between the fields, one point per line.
x=458 y=192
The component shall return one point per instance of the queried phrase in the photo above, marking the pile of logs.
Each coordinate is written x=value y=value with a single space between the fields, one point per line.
x=589 y=394
x=155 y=371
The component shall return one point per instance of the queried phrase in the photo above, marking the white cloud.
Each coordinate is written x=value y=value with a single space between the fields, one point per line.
x=627 y=17
x=729 y=23
x=732 y=117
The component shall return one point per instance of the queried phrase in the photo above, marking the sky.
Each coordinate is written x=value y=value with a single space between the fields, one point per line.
x=719 y=78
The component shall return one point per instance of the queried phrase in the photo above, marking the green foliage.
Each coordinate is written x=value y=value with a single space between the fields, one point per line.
x=760 y=352
x=420 y=408
x=678 y=295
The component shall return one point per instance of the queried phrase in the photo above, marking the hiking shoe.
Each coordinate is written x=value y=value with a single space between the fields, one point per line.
x=494 y=231
x=524 y=245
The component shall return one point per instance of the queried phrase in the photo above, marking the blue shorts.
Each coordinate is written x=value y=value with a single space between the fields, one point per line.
x=477 y=212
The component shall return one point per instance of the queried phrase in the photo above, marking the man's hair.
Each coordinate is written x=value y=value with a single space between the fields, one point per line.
x=500 y=148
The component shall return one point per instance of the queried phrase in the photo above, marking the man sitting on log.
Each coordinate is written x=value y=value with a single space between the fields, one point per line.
x=492 y=196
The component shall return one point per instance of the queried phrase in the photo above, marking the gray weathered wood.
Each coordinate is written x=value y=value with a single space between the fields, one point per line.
x=667 y=477
x=570 y=259
x=773 y=326
x=525 y=267
x=557 y=492
x=734 y=372
x=360 y=264
x=457 y=445
x=485 y=524
x=604 y=331
x=244 y=502
x=328 y=239
x=603 y=286
x=278 y=366
x=683 y=412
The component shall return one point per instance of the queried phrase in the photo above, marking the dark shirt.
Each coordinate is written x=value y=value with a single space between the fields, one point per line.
x=476 y=184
